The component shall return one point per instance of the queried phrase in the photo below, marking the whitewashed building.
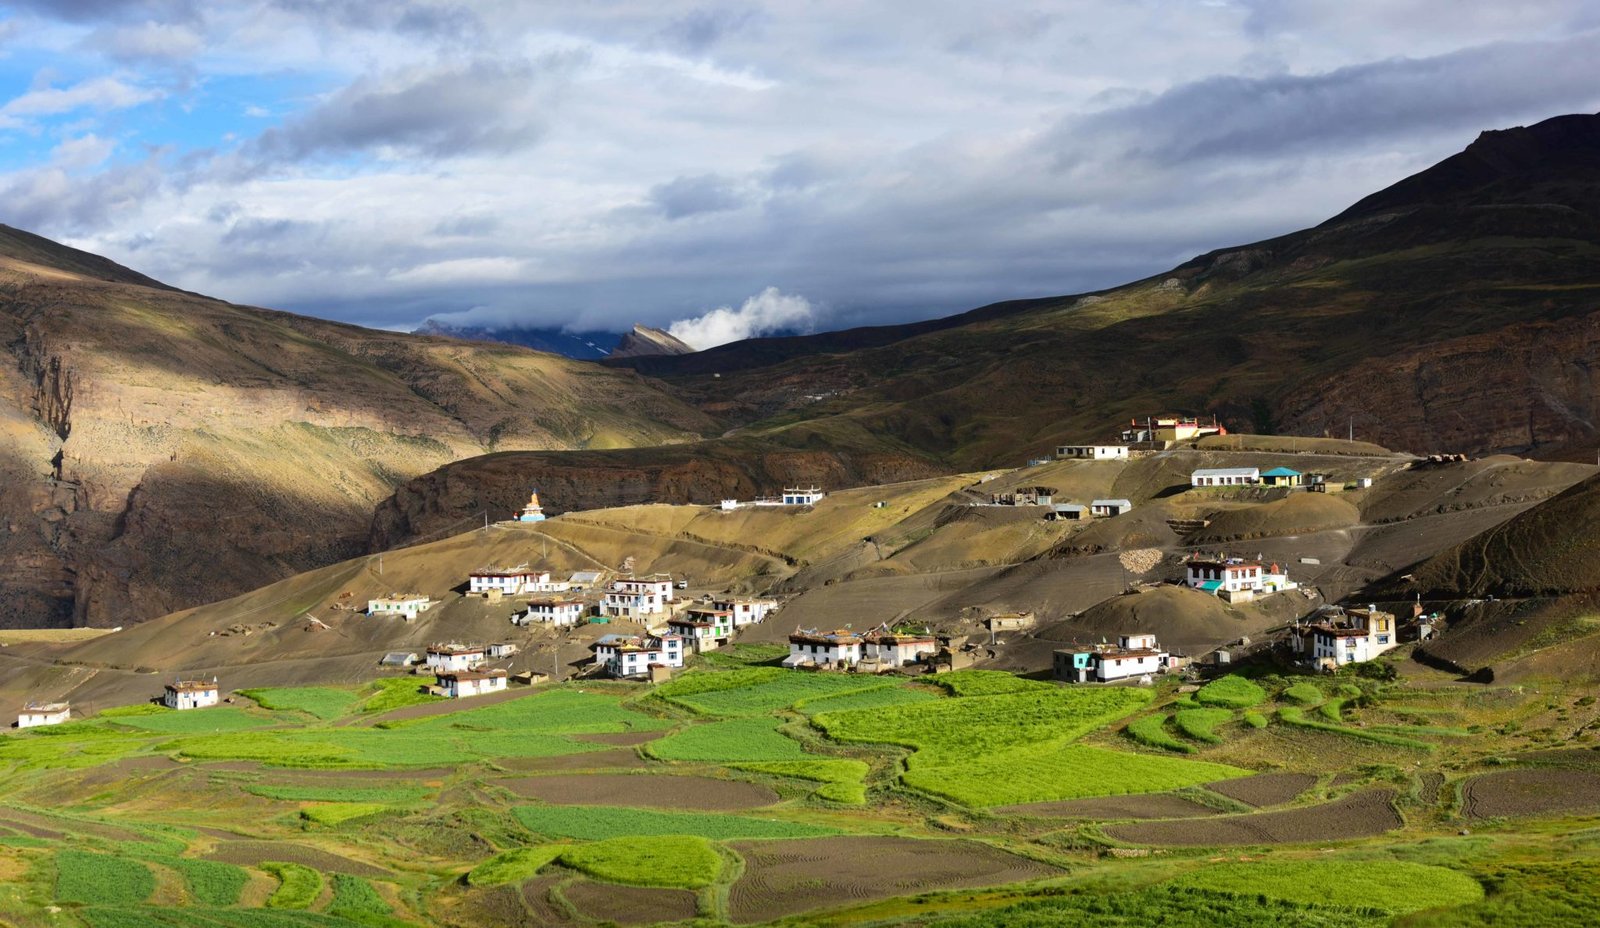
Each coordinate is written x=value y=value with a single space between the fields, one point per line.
x=802 y=496
x=703 y=629
x=1225 y=477
x=507 y=581
x=500 y=650
x=462 y=683
x=191 y=694
x=1235 y=578
x=560 y=613
x=824 y=649
x=1093 y=452
x=893 y=651
x=1358 y=635
x=1132 y=656
x=453 y=658
x=404 y=605
x=746 y=611
x=1105 y=508
x=632 y=655
x=638 y=597
x=35 y=714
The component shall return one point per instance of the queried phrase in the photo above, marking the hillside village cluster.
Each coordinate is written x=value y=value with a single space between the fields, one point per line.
x=676 y=628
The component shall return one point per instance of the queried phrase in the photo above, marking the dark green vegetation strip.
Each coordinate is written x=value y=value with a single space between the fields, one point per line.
x=101 y=878
x=298 y=885
x=593 y=823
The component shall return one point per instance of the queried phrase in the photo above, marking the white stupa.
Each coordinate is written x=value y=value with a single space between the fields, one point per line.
x=532 y=512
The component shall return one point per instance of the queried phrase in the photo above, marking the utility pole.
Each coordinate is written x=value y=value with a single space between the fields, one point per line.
x=1352 y=428
x=486 y=521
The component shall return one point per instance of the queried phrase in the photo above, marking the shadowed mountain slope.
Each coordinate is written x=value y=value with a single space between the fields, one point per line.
x=161 y=449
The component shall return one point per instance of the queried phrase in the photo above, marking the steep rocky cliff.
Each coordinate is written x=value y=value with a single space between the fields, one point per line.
x=160 y=449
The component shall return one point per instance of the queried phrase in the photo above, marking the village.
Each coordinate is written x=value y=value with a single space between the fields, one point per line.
x=649 y=628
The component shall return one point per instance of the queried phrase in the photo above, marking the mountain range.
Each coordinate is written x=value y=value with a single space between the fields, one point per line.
x=162 y=449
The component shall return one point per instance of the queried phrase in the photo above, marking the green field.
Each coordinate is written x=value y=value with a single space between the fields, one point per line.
x=666 y=860
x=756 y=739
x=1392 y=886
x=317 y=701
x=598 y=823
x=101 y=878
x=758 y=691
x=515 y=865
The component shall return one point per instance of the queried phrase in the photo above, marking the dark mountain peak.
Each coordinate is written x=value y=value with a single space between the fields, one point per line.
x=1517 y=165
x=18 y=245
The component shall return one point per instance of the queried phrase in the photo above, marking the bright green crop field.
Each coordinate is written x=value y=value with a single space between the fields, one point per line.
x=767 y=790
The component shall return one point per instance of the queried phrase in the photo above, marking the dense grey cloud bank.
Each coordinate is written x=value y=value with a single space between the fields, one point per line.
x=733 y=168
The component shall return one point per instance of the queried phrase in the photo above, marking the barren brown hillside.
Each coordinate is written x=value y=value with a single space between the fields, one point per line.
x=161 y=449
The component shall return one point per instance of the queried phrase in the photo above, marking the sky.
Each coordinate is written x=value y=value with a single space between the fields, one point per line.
x=729 y=169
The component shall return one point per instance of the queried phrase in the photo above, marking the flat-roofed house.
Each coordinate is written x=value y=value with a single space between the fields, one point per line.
x=1105 y=508
x=1352 y=637
x=35 y=714
x=450 y=658
x=459 y=684
x=1225 y=477
x=892 y=650
x=507 y=581
x=1069 y=512
x=557 y=611
x=705 y=629
x=1009 y=621
x=1132 y=656
x=746 y=611
x=191 y=694
x=633 y=655
x=1093 y=452
x=841 y=648
x=1236 y=579
x=638 y=597
x=405 y=605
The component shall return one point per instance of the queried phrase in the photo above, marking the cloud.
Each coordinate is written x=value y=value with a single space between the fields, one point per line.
x=481 y=107
x=148 y=41
x=85 y=151
x=690 y=196
x=766 y=312
x=698 y=30
x=102 y=93
x=82 y=11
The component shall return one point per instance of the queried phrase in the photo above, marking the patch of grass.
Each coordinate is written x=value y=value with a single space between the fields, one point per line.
x=758 y=691
x=196 y=721
x=1201 y=724
x=552 y=712
x=211 y=882
x=322 y=702
x=987 y=683
x=745 y=655
x=875 y=698
x=392 y=693
x=842 y=779
x=335 y=813
x=1333 y=709
x=1167 y=907
x=391 y=795
x=514 y=866
x=1255 y=719
x=667 y=860
x=101 y=879
x=1392 y=886
x=1231 y=692
x=597 y=823
x=123 y=712
x=298 y=886
x=736 y=740
x=356 y=900
x=1303 y=693
x=1151 y=731
x=1528 y=896
x=1295 y=716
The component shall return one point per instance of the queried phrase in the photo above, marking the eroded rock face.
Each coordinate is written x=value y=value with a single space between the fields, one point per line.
x=159 y=449
x=450 y=498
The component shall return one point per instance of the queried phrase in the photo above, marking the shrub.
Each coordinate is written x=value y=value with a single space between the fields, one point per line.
x=514 y=866
x=668 y=860
x=298 y=886
x=1151 y=731
x=101 y=879
x=1233 y=692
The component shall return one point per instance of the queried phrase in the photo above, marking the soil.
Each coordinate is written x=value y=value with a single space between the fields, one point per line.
x=1359 y=815
x=1112 y=808
x=536 y=899
x=785 y=877
x=252 y=853
x=621 y=738
x=620 y=759
x=631 y=905
x=1267 y=789
x=1530 y=792
x=279 y=773
x=647 y=791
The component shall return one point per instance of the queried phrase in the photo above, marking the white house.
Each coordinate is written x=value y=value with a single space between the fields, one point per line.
x=729 y=505
x=399 y=659
x=405 y=605
x=632 y=655
x=746 y=611
x=452 y=658
x=1093 y=452
x=557 y=612
x=462 y=683
x=1132 y=656
x=1235 y=578
x=35 y=714
x=802 y=496
x=1358 y=635
x=499 y=650
x=509 y=581
x=1070 y=512
x=584 y=579
x=704 y=629
x=638 y=597
x=1225 y=477
x=898 y=650
x=191 y=694
x=1110 y=507
x=824 y=649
